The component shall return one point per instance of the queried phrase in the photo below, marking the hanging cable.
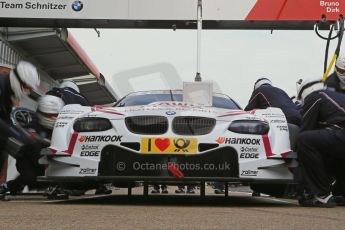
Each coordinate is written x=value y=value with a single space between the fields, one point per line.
x=339 y=35
x=327 y=49
x=98 y=32
x=322 y=37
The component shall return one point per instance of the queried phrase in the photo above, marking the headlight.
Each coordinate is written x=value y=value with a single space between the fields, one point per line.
x=91 y=124
x=249 y=127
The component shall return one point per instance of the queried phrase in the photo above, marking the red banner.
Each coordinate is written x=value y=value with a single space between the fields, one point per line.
x=297 y=10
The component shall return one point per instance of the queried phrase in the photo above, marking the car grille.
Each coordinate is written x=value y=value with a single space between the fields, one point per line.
x=193 y=125
x=147 y=124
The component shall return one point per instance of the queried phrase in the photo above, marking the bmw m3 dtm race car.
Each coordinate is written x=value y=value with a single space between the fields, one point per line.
x=157 y=136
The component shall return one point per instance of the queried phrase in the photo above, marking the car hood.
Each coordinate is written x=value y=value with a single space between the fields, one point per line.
x=177 y=109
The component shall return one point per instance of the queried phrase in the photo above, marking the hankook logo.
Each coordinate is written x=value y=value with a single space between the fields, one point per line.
x=103 y=138
x=77 y=6
x=241 y=141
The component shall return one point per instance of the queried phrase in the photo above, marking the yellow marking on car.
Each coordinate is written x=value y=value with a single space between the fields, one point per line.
x=166 y=145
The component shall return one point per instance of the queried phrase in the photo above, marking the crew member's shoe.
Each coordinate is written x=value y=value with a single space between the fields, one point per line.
x=191 y=191
x=154 y=191
x=3 y=190
x=256 y=194
x=219 y=191
x=56 y=193
x=103 y=190
x=179 y=190
x=326 y=201
x=165 y=190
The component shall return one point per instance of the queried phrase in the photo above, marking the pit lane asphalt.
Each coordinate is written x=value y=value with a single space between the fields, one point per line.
x=119 y=211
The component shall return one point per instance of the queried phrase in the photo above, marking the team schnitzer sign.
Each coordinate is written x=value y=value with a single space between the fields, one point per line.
x=100 y=9
x=163 y=10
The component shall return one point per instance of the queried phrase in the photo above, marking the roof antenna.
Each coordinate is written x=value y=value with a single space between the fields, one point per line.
x=199 y=28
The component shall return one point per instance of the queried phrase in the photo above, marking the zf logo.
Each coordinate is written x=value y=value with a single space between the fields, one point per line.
x=249 y=173
x=77 y=6
x=87 y=171
x=181 y=145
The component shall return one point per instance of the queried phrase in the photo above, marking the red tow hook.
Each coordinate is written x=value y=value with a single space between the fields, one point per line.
x=175 y=171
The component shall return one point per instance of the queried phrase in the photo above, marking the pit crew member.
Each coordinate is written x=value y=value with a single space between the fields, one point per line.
x=266 y=95
x=69 y=92
x=27 y=163
x=14 y=85
x=320 y=142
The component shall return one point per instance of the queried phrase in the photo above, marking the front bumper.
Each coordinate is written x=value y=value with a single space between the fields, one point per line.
x=117 y=161
x=120 y=164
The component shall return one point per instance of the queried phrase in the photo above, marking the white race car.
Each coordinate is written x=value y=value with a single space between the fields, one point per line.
x=156 y=136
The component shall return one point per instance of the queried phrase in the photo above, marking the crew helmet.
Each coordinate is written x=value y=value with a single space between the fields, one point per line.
x=23 y=78
x=308 y=86
x=70 y=84
x=262 y=81
x=340 y=68
x=48 y=109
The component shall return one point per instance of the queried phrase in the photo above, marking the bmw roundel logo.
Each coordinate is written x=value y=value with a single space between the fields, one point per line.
x=77 y=6
x=170 y=113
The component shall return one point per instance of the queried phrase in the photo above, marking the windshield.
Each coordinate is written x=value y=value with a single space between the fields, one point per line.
x=221 y=101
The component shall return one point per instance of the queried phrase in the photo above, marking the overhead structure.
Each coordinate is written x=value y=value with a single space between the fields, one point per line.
x=175 y=14
x=57 y=53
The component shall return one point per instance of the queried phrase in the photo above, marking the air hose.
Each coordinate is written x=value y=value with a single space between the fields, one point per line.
x=339 y=35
